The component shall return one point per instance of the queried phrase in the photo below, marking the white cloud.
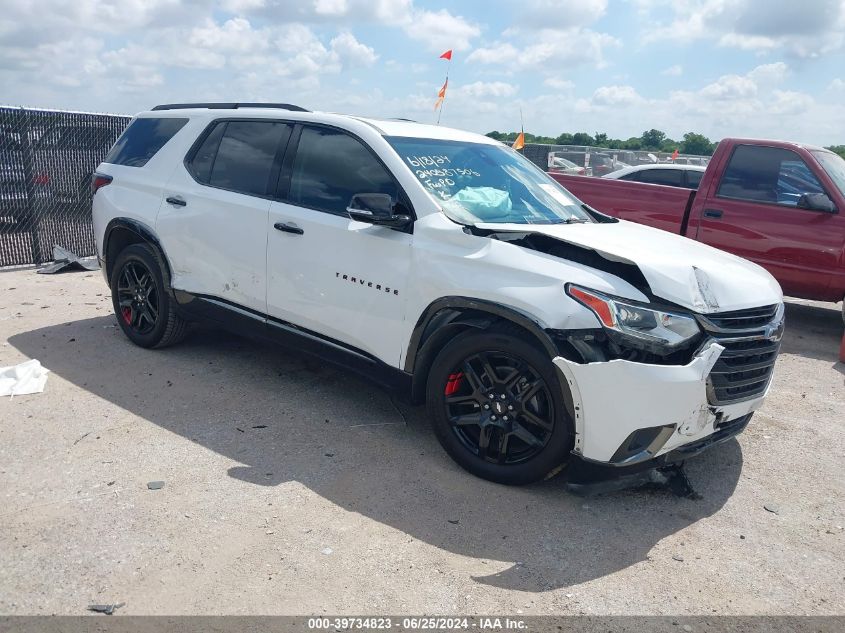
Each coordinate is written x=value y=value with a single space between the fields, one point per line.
x=241 y=6
x=233 y=36
x=547 y=35
x=331 y=7
x=730 y=88
x=769 y=73
x=673 y=71
x=549 y=51
x=234 y=49
x=351 y=52
x=791 y=102
x=836 y=85
x=440 y=30
x=559 y=14
x=562 y=85
x=801 y=29
x=616 y=96
x=488 y=89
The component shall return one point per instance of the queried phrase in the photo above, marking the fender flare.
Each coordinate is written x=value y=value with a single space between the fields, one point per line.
x=453 y=310
x=143 y=231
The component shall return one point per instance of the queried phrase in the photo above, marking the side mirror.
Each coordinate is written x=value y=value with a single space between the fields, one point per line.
x=376 y=208
x=817 y=202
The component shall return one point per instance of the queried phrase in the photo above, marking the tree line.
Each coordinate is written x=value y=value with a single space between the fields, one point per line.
x=650 y=140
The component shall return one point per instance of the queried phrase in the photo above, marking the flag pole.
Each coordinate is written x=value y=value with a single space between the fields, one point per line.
x=442 y=103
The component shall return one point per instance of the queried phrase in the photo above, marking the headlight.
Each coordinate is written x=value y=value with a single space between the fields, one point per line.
x=638 y=324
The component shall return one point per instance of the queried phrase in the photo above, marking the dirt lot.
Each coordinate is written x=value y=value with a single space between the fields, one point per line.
x=292 y=488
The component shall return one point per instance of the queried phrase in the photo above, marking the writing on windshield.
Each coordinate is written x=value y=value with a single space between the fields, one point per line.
x=486 y=183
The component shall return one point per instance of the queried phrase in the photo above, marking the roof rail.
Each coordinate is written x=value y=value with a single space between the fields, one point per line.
x=229 y=106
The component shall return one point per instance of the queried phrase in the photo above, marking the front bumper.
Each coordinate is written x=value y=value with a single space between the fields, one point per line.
x=586 y=477
x=628 y=413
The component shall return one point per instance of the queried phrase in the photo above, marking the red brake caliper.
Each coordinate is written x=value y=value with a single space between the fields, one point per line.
x=127 y=315
x=454 y=383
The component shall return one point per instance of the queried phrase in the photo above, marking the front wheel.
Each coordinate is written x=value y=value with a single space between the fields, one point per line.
x=142 y=301
x=497 y=407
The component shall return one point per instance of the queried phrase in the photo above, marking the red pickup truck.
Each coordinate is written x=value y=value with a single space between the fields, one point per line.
x=781 y=205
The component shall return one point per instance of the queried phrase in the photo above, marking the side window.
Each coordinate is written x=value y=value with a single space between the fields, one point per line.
x=670 y=177
x=767 y=174
x=246 y=154
x=142 y=140
x=633 y=176
x=694 y=178
x=794 y=180
x=203 y=160
x=330 y=167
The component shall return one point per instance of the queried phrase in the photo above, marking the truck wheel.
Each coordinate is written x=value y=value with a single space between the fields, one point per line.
x=497 y=408
x=141 y=299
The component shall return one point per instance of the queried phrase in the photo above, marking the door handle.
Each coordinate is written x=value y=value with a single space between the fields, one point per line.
x=712 y=213
x=176 y=201
x=288 y=228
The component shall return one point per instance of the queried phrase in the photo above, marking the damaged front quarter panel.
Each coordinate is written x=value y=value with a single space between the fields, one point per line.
x=614 y=399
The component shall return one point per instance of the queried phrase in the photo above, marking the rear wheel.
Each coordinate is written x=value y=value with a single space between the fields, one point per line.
x=141 y=299
x=497 y=408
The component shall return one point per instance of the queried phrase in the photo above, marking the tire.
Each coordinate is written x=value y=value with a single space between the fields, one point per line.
x=471 y=425
x=142 y=300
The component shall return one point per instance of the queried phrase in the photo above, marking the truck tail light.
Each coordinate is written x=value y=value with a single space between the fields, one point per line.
x=99 y=181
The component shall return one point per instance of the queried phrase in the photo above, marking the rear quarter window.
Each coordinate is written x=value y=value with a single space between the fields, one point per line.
x=142 y=140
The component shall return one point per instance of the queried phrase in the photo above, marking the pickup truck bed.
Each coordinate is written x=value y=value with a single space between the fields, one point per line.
x=659 y=206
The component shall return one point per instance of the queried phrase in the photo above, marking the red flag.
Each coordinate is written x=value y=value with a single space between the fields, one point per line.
x=675 y=155
x=519 y=143
x=447 y=55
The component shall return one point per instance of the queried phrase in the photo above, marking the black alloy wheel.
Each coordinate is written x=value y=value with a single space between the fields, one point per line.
x=138 y=297
x=142 y=299
x=499 y=407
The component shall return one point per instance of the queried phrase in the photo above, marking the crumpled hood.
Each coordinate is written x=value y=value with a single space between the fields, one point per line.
x=677 y=269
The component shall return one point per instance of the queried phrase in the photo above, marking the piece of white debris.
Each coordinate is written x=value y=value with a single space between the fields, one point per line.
x=327 y=551
x=22 y=379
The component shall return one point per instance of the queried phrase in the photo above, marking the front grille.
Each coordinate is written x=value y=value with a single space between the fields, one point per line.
x=742 y=319
x=751 y=339
x=743 y=370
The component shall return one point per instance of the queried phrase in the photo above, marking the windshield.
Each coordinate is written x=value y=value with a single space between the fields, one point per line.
x=477 y=183
x=834 y=165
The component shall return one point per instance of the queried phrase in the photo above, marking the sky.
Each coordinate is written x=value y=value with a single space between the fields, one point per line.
x=760 y=68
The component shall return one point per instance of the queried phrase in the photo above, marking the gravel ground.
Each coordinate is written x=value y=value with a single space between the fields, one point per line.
x=293 y=488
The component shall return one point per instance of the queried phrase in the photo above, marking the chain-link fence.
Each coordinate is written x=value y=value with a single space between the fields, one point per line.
x=46 y=161
x=598 y=161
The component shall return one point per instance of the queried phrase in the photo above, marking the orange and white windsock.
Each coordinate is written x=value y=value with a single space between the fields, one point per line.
x=442 y=94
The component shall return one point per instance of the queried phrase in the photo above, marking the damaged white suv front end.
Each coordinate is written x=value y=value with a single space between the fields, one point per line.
x=673 y=360
x=663 y=346
x=631 y=413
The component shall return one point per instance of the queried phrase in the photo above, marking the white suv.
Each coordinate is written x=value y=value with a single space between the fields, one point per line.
x=541 y=333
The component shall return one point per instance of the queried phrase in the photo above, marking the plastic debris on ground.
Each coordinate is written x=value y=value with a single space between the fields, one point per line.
x=23 y=379
x=65 y=259
x=108 y=609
